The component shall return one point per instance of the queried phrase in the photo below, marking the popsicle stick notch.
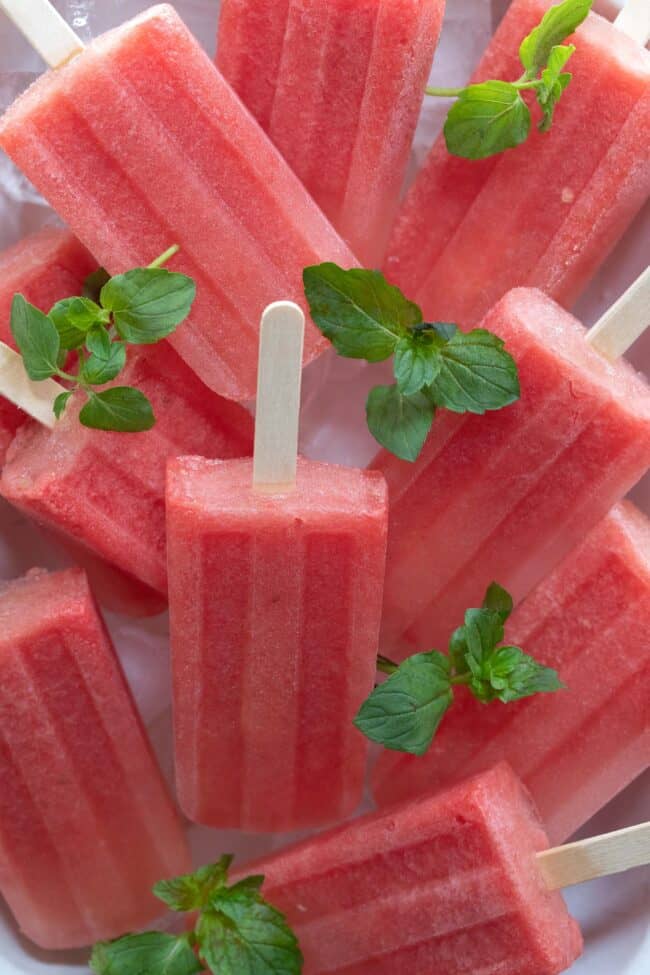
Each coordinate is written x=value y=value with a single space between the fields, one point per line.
x=279 y=381
x=625 y=322
x=634 y=20
x=598 y=856
x=36 y=399
x=45 y=29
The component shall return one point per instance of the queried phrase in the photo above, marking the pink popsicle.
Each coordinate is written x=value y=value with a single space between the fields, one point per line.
x=275 y=601
x=338 y=86
x=577 y=749
x=546 y=214
x=86 y=822
x=106 y=491
x=507 y=495
x=447 y=883
x=45 y=267
x=139 y=143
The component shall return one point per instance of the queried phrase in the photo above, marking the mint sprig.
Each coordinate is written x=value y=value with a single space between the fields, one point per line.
x=140 y=307
x=237 y=931
x=435 y=364
x=493 y=116
x=405 y=712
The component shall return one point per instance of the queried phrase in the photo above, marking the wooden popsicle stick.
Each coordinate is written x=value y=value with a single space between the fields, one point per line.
x=45 y=29
x=598 y=856
x=35 y=398
x=625 y=322
x=279 y=381
x=634 y=20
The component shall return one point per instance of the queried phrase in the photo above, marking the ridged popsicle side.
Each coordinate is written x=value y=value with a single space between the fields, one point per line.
x=139 y=143
x=575 y=750
x=338 y=86
x=446 y=883
x=106 y=491
x=86 y=823
x=546 y=214
x=275 y=603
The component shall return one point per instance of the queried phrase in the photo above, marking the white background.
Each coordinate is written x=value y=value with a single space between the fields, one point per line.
x=613 y=912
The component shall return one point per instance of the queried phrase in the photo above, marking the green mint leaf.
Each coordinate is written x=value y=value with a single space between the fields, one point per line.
x=476 y=374
x=498 y=600
x=120 y=408
x=404 y=712
x=151 y=953
x=483 y=631
x=458 y=651
x=416 y=364
x=148 y=304
x=512 y=675
x=487 y=119
x=554 y=84
x=60 y=404
x=37 y=339
x=194 y=891
x=358 y=311
x=241 y=933
x=92 y=287
x=106 y=361
x=557 y=24
x=400 y=423
x=73 y=317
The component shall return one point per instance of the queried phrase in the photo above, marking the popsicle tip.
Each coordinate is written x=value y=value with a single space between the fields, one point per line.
x=45 y=29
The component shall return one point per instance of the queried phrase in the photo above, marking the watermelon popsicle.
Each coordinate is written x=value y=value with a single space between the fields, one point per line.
x=577 y=749
x=86 y=823
x=449 y=883
x=106 y=490
x=544 y=215
x=190 y=166
x=507 y=495
x=276 y=569
x=338 y=86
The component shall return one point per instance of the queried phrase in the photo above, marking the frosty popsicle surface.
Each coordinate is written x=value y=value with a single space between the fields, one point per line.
x=139 y=143
x=577 y=749
x=546 y=214
x=86 y=823
x=338 y=86
x=507 y=495
x=447 y=883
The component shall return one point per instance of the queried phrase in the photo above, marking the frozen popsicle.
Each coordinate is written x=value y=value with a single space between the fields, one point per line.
x=139 y=142
x=577 y=749
x=544 y=215
x=338 y=86
x=449 y=883
x=44 y=267
x=106 y=490
x=86 y=822
x=276 y=571
x=507 y=495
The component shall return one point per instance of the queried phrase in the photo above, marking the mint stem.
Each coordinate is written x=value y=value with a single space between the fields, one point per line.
x=167 y=256
x=444 y=92
x=386 y=666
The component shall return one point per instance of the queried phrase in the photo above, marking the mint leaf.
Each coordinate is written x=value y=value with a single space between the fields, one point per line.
x=358 y=311
x=487 y=119
x=498 y=600
x=60 y=404
x=193 y=891
x=483 y=630
x=106 y=361
x=416 y=364
x=476 y=374
x=557 y=24
x=243 y=935
x=73 y=317
x=148 y=304
x=92 y=287
x=36 y=337
x=509 y=674
x=151 y=953
x=400 y=423
x=554 y=84
x=404 y=712
x=120 y=408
